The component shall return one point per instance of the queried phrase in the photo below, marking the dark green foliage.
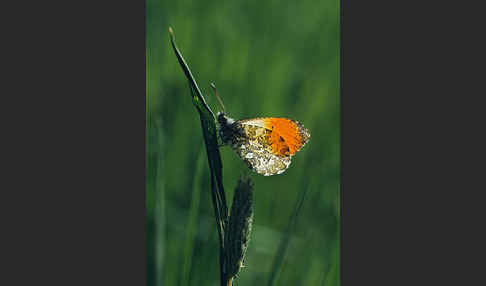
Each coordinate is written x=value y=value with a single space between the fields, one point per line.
x=284 y=243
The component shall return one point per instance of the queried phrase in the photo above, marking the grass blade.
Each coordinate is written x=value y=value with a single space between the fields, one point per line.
x=208 y=124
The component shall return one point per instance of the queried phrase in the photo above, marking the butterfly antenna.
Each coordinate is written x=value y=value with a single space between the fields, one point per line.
x=217 y=96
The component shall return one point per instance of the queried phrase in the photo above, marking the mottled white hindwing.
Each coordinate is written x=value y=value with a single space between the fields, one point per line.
x=254 y=149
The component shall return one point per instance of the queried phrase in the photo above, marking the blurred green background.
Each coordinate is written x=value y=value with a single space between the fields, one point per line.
x=267 y=58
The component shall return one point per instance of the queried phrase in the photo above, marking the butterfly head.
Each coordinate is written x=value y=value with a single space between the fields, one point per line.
x=224 y=120
x=226 y=127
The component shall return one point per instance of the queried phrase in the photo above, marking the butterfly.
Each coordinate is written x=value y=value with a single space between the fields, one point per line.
x=266 y=144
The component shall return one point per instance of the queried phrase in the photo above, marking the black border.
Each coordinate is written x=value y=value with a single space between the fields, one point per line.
x=407 y=188
x=76 y=203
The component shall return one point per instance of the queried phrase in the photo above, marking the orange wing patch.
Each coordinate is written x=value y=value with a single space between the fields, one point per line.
x=287 y=136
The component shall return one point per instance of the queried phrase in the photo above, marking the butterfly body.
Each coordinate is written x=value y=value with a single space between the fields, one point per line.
x=266 y=144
